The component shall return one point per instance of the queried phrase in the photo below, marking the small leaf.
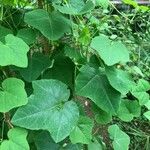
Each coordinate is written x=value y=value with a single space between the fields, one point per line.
x=147 y=115
x=121 y=140
x=93 y=84
x=12 y=95
x=53 y=25
x=148 y=104
x=139 y=91
x=102 y=3
x=101 y=116
x=111 y=52
x=17 y=140
x=49 y=109
x=128 y=110
x=95 y=145
x=119 y=79
x=13 y=52
x=82 y=133
x=75 y=7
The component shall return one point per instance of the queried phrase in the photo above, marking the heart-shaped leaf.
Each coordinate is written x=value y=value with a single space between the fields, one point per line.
x=13 y=52
x=120 y=139
x=111 y=52
x=12 y=95
x=17 y=140
x=128 y=110
x=75 y=7
x=82 y=133
x=93 y=84
x=49 y=109
x=53 y=25
x=119 y=79
x=140 y=91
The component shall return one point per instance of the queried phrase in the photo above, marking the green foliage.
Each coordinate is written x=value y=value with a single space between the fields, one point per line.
x=93 y=84
x=52 y=25
x=111 y=52
x=13 y=52
x=74 y=75
x=12 y=95
x=83 y=131
x=17 y=140
x=54 y=113
x=120 y=139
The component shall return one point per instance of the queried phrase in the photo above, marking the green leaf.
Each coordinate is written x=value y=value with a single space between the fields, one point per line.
x=53 y=25
x=102 y=3
x=95 y=145
x=119 y=79
x=121 y=140
x=139 y=91
x=128 y=110
x=75 y=7
x=147 y=115
x=27 y=34
x=93 y=84
x=47 y=143
x=111 y=52
x=37 y=64
x=49 y=109
x=12 y=94
x=101 y=116
x=13 y=52
x=17 y=140
x=74 y=54
x=73 y=147
x=3 y=32
x=142 y=86
x=82 y=133
x=147 y=105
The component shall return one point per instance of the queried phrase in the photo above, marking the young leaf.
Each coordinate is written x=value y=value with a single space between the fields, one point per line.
x=53 y=25
x=75 y=7
x=111 y=52
x=139 y=91
x=121 y=140
x=12 y=95
x=17 y=140
x=128 y=110
x=119 y=79
x=102 y=3
x=147 y=104
x=147 y=115
x=82 y=133
x=13 y=52
x=101 y=116
x=93 y=84
x=49 y=109
x=95 y=145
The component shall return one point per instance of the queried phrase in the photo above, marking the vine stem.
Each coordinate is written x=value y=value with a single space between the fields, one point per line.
x=7 y=119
